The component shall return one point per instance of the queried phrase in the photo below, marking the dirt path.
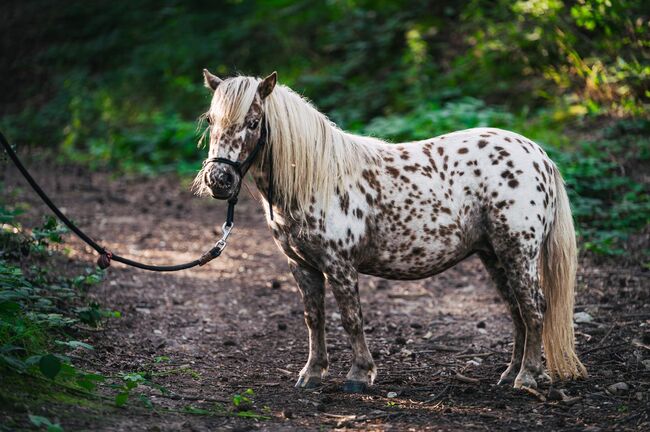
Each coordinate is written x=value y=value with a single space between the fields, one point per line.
x=237 y=324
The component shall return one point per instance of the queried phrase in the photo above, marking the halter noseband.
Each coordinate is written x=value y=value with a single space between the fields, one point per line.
x=241 y=168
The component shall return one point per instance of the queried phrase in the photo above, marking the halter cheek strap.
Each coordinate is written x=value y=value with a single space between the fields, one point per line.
x=241 y=168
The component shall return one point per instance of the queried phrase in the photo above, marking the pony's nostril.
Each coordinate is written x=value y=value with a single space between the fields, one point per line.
x=225 y=180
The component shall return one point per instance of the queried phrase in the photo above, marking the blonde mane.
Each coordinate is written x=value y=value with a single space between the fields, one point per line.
x=312 y=157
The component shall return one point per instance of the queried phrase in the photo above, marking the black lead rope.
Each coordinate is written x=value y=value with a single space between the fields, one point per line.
x=106 y=256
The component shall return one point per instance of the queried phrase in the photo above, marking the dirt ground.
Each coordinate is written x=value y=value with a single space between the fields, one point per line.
x=440 y=344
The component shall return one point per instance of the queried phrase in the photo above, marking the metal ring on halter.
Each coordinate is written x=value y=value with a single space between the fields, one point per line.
x=227 y=229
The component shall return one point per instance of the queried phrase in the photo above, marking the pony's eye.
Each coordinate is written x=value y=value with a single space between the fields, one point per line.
x=253 y=124
x=209 y=120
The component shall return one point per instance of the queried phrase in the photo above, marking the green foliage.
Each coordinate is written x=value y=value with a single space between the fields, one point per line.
x=38 y=320
x=593 y=53
x=44 y=422
x=130 y=381
x=242 y=406
x=124 y=84
x=608 y=201
x=435 y=119
x=50 y=365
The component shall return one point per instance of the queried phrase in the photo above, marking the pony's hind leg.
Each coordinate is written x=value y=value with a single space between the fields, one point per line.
x=498 y=275
x=345 y=286
x=311 y=283
x=523 y=278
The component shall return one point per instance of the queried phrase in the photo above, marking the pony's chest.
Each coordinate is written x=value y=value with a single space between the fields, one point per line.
x=299 y=244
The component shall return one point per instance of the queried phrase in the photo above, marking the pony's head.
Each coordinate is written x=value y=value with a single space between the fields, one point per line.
x=254 y=121
x=236 y=128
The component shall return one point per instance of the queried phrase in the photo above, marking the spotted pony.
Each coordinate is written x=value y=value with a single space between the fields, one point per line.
x=346 y=204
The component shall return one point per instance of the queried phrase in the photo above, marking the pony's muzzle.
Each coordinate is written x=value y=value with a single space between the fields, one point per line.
x=222 y=181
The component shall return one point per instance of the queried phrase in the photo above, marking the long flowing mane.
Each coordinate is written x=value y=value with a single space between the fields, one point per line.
x=311 y=155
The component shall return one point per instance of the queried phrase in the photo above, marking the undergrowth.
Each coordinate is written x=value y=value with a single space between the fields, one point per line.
x=44 y=321
x=607 y=185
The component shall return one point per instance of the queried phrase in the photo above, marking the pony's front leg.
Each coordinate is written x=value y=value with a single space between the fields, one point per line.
x=345 y=286
x=312 y=288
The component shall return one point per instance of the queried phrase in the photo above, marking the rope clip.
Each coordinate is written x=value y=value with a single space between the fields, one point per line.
x=104 y=260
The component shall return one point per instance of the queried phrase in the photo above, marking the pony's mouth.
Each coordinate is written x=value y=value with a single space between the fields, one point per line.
x=220 y=195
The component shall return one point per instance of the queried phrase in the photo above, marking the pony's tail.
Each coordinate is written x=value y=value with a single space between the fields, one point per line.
x=558 y=263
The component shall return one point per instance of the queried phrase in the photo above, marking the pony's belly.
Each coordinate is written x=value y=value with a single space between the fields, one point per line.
x=415 y=263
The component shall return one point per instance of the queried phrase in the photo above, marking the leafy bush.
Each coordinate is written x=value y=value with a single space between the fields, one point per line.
x=37 y=317
x=608 y=201
x=112 y=70
x=433 y=119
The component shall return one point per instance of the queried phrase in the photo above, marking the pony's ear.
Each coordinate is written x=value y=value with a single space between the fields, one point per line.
x=267 y=85
x=211 y=81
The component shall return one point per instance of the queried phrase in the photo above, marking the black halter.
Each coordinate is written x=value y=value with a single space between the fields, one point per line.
x=242 y=167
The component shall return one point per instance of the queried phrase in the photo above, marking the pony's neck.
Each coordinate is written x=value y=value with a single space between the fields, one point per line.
x=311 y=156
x=260 y=174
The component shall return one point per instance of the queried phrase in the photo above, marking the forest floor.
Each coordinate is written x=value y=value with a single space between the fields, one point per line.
x=211 y=333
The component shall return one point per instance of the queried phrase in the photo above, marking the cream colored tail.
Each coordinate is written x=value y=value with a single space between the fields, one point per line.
x=558 y=263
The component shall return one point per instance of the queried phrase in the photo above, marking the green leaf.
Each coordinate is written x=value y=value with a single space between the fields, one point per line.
x=121 y=399
x=198 y=411
x=94 y=377
x=75 y=344
x=253 y=415
x=145 y=401
x=67 y=370
x=85 y=384
x=13 y=362
x=33 y=360
x=7 y=348
x=90 y=315
x=40 y=421
x=9 y=308
x=50 y=366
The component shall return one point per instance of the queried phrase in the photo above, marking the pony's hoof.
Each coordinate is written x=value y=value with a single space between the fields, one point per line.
x=354 y=386
x=507 y=377
x=505 y=380
x=308 y=383
x=525 y=380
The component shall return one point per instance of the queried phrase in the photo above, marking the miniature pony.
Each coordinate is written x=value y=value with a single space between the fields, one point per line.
x=346 y=204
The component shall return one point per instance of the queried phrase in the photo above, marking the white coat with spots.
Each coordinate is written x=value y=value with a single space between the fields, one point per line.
x=346 y=204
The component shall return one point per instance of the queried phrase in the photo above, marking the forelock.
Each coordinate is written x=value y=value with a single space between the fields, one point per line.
x=232 y=100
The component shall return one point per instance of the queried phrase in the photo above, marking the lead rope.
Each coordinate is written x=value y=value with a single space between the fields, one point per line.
x=105 y=256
